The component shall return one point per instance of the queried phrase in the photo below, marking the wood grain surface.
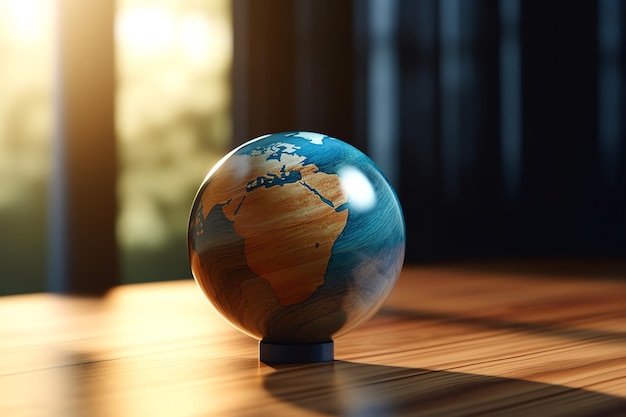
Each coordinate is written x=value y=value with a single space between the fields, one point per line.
x=450 y=341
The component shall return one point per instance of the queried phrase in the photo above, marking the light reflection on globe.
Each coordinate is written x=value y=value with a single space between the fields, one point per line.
x=296 y=238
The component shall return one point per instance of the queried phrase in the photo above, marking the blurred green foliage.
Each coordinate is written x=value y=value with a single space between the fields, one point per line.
x=172 y=118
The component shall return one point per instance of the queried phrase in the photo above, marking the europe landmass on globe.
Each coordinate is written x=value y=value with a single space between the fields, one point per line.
x=279 y=202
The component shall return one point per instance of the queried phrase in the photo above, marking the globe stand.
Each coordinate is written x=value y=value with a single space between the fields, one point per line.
x=296 y=353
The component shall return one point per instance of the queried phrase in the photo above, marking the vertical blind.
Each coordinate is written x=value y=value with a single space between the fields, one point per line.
x=501 y=123
x=511 y=127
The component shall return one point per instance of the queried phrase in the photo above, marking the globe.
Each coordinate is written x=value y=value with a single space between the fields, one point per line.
x=296 y=238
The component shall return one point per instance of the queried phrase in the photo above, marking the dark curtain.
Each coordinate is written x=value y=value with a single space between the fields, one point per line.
x=466 y=195
x=510 y=114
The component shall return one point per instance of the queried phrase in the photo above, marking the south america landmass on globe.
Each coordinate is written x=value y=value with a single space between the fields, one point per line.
x=288 y=212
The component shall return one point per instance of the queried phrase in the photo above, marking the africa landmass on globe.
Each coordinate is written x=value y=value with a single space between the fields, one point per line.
x=288 y=212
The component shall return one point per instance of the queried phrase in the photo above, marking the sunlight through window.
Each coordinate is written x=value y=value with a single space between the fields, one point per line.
x=173 y=123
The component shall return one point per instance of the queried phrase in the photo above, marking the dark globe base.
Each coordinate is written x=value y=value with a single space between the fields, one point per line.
x=273 y=353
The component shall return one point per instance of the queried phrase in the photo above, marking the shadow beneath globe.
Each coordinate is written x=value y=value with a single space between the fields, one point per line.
x=357 y=389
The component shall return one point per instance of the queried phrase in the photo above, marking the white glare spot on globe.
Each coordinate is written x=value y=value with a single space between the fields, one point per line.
x=360 y=191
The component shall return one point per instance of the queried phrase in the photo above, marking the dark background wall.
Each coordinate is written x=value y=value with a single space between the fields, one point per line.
x=509 y=117
x=501 y=124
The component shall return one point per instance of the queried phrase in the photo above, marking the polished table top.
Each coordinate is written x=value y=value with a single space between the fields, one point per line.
x=450 y=341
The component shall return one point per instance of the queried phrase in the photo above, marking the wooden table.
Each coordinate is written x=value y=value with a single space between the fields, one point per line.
x=450 y=341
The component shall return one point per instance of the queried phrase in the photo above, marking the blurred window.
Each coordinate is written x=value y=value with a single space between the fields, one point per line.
x=173 y=122
x=26 y=39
